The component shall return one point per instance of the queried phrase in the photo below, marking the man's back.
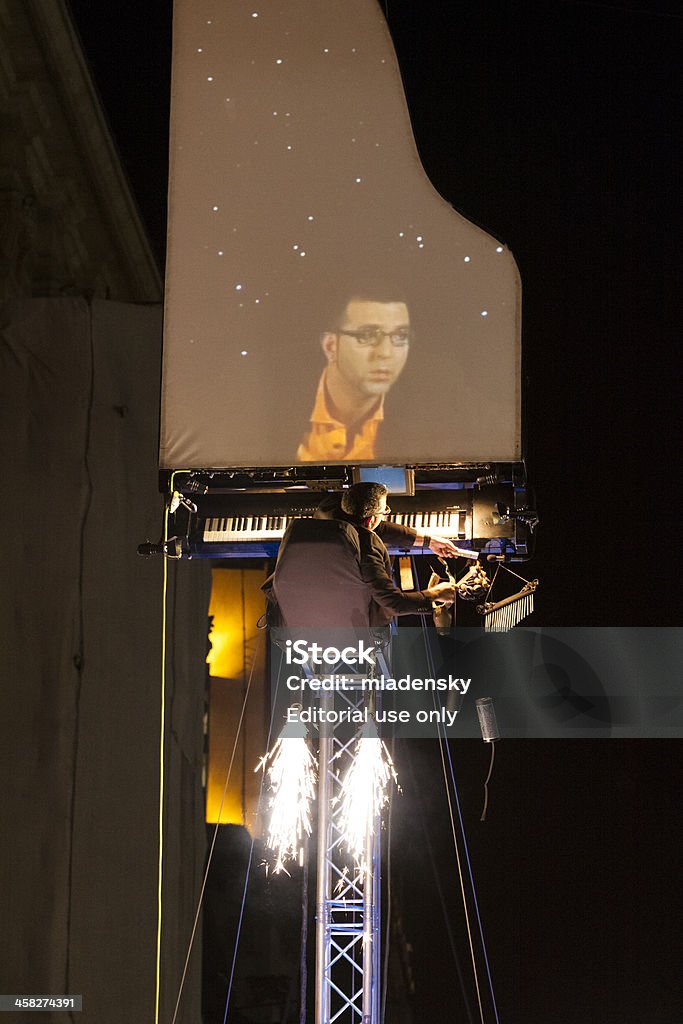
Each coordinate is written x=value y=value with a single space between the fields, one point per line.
x=337 y=573
x=318 y=580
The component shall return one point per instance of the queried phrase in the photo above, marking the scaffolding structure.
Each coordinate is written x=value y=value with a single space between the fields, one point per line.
x=348 y=904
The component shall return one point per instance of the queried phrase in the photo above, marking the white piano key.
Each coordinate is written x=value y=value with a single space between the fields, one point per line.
x=263 y=528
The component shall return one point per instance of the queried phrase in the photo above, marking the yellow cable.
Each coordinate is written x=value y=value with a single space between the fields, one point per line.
x=162 y=731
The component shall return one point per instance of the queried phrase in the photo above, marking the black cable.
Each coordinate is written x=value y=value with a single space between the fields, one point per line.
x=251 y=850
x=442 y=900
x=79 y=656
x=303 y=970
x=486 y=784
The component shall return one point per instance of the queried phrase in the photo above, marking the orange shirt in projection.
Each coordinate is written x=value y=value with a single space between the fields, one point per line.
x=329 y=439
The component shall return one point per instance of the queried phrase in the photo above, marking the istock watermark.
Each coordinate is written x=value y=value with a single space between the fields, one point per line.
x=547 y=683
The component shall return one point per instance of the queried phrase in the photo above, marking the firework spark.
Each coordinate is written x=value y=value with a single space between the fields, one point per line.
x=364 y=791
x=291 y=775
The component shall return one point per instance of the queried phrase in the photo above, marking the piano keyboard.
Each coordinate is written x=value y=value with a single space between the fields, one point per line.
x=244 y=529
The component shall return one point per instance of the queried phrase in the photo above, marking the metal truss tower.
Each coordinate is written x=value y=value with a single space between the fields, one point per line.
x=347 y=987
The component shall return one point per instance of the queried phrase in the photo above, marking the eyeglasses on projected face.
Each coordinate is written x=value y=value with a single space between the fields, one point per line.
x=369 y=337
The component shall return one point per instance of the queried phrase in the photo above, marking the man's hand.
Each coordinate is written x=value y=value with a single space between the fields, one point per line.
x=443 y=547
x=443 y=592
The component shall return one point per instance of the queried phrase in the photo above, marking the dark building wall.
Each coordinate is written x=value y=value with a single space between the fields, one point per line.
x=80 y=613
x=81 y=670
x=70 y=223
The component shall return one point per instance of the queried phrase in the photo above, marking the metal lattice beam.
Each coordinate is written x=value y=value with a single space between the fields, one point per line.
x=348 y=897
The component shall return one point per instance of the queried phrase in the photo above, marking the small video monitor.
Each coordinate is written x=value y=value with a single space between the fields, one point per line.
x=396 y=479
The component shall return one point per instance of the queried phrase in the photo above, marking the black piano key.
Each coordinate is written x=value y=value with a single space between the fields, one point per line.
x=454 y=523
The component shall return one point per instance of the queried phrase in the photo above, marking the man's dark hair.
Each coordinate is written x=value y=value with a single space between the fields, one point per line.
x=363 y=500
x=381 y=292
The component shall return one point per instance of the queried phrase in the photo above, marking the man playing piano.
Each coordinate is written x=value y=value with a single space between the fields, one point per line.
x=336 y=506
x=366 y=351
x=342 y=577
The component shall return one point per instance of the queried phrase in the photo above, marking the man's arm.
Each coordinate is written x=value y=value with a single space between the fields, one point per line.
x=384 y=590
x=392 y=534
x=396 y=536
x=439 y=545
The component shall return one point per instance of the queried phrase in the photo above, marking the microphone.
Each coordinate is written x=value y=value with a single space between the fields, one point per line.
x=487 y=719
x=147 y=550
x=172 y=548
x=489 y=734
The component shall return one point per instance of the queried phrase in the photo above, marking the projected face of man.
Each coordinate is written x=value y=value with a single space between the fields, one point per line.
x=366 y=355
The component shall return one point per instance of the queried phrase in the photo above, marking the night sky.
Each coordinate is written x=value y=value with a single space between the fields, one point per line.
x=555 y=127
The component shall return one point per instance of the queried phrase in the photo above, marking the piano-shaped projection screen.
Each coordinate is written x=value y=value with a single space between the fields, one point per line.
x=324 y=304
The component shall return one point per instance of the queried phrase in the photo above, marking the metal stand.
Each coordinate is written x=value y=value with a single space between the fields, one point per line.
x=347 y=898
